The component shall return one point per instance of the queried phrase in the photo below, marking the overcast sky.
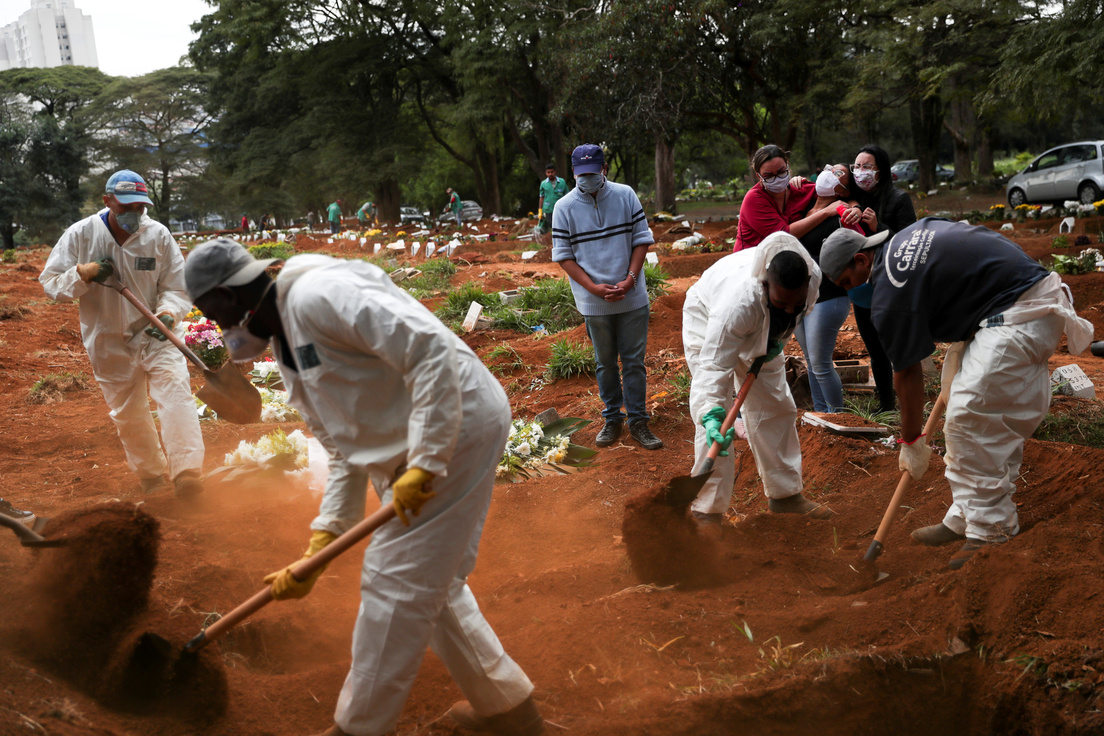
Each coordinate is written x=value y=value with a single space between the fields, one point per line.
x=132 y=38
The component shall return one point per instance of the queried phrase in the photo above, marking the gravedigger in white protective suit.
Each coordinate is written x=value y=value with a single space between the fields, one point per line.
x=942 y=281
x=745 y=306
x=396 y=399
x=122 y=243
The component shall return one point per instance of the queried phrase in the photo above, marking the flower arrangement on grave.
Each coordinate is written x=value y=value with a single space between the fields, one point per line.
x=533 y=449
x=205 y=340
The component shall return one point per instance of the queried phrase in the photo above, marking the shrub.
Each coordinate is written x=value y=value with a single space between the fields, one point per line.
x=571 y=359
x=456 y=305
x=657 y=281
x=548 y=302
x=282 y=251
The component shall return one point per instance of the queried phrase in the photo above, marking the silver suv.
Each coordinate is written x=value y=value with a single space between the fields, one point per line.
x=1072 y=171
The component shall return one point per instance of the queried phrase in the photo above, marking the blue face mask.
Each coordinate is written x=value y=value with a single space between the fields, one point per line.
x=129 y=221
x=590 y=183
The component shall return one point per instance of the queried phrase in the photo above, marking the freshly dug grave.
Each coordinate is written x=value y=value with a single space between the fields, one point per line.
x=845 y=419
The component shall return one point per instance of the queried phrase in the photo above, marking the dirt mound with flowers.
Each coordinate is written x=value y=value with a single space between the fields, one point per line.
x=783 y=642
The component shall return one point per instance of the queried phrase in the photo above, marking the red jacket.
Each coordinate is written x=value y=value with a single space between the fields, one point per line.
x=759 y=216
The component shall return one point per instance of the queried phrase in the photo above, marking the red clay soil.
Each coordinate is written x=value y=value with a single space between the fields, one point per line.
x=843 y=420
x=1010 y=644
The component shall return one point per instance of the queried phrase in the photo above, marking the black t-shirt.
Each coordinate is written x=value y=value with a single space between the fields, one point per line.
x=936 y=280
x=813 y=241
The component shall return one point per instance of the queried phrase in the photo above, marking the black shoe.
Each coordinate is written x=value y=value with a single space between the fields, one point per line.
x=27 y=518
x=640 y=432
x=936 y=535
x=609 y=434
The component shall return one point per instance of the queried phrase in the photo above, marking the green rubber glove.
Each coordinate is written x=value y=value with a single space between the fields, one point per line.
x=98 y=271
x=774 y=349
x=409 y=491
x=168 y=321
x=712 y=421
x=285 y=585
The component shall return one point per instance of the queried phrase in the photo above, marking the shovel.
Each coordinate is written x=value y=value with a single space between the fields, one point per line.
x=227 y=392
x=301 y=571
x=27 y=536
x=683 y=489
x=903 y=486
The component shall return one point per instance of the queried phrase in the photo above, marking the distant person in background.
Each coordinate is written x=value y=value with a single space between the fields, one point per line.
x=885 y=207
x=817 y=333
x=264 y=222
x=333 y=213
x=777 y=202
x=552 y=189
x=367 y=214
x=312 y=220
x=245 y=223
x=455 y=204
x=600 y=237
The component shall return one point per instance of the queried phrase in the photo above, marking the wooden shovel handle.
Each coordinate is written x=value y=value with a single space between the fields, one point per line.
x=301 y=571
x=157 y=324
x=903 y=486
x=730 y=418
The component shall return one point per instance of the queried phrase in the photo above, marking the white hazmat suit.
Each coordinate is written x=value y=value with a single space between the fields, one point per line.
x=997 y=399
x=725 y=321
x=124 y=358
x=385 y=386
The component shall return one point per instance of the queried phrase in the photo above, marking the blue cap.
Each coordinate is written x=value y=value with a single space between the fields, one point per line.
x=128 y=187
x=587 y=159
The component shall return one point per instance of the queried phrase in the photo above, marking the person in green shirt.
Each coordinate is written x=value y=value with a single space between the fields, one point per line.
x=455 y=204
x=334 y=214
x=366 y=212
x=552 y=188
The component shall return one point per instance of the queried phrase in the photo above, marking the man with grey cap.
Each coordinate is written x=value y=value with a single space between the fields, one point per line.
x=121 y=244
x=399 y=400
x=942 y=281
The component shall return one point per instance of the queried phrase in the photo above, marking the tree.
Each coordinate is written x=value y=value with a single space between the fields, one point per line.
x=155 y=124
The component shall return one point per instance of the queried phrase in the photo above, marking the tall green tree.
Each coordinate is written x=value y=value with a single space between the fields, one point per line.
x=155 y=124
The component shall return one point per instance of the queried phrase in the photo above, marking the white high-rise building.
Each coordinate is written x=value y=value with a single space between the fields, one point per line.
x=51 y=33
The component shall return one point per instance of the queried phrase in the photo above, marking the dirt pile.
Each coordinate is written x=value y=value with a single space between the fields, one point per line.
x=83 y=614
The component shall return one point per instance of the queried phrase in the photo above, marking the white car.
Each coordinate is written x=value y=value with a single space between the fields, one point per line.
x=1072 y=171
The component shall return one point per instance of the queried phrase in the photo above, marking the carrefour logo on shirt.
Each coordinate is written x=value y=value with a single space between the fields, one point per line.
x=908 y=254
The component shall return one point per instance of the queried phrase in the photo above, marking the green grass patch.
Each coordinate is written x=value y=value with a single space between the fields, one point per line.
x=657 y=280
x=436 y=277
x=9 y=256
x=282 y=251
x=1073 y=421
x=548 y=302
x=53 y=387
x=503 y=359
x=571 y=359
x=680 y=386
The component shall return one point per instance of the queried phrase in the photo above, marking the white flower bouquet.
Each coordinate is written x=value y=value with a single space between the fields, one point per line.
x=533 y=450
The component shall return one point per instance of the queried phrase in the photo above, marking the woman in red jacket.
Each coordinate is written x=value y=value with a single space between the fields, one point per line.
x=772 y=204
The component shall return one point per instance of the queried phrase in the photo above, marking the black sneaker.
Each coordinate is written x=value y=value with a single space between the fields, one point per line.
x=609 y=434
x=640 y=432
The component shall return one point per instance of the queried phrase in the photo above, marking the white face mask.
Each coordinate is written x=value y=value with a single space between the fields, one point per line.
x=826 y=183
x=777 y=185
x=865 y=180
x=242 y=344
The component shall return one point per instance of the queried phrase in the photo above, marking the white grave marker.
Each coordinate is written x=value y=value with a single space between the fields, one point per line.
x=1072 y=381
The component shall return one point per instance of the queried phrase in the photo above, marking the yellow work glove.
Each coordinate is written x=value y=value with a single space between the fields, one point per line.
x=409 y=492
x=284 y=585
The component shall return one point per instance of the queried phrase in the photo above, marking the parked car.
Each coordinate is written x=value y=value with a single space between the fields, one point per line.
x=1070 y=171
x=910 y=171
x=412 y=214
x=469 y=212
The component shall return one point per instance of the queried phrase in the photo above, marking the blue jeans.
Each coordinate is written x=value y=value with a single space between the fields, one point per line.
x=817 y=336
x=335 y=227
x=624 y=335
x=457 y=218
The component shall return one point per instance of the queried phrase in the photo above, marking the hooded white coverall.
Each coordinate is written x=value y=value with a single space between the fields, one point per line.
x=996 y=401
x=385 y=386
x=124 y=358
x=725 y=321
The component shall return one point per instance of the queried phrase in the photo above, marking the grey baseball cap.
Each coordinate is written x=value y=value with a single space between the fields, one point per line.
x=221 y=262
x=840 y=247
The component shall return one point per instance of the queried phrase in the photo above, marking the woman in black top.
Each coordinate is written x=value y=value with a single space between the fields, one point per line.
x=884 y=207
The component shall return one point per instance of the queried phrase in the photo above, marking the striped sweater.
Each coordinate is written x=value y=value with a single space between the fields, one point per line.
x=599 y=234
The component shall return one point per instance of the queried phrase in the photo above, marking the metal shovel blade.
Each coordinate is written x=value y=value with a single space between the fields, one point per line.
x=231 y=395
x=28 y=537
x=680 y=491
